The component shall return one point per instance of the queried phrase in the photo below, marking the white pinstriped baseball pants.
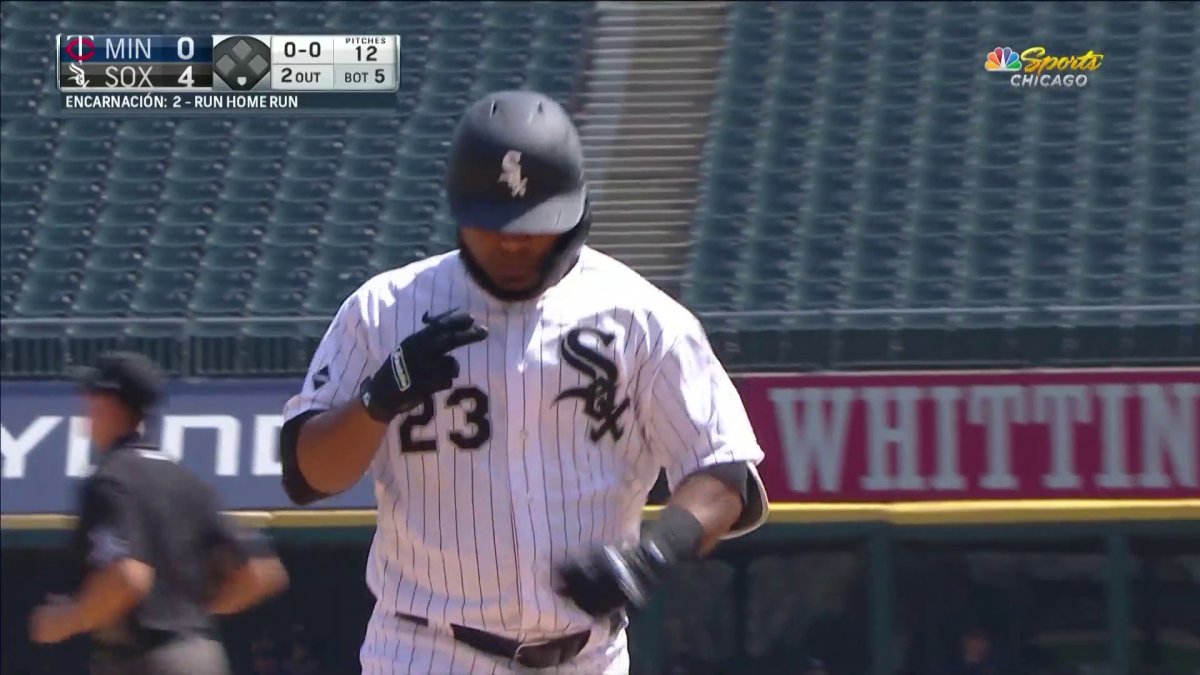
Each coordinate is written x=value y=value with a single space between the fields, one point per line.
x=393 y=646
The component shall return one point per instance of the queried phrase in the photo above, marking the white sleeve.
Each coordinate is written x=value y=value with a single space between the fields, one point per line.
x=339 y=366
x=697 y=419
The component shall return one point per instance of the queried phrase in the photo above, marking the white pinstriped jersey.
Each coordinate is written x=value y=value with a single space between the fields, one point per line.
x=547 y=445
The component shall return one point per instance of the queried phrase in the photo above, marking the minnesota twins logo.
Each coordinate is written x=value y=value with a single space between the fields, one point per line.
x=600 y=395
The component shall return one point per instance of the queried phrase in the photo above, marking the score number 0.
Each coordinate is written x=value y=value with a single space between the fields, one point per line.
x=185 y=49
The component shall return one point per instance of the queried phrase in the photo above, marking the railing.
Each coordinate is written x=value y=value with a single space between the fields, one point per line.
x=1006 y=311
x=745 y=340
x=1009 y=311
x=67 y=322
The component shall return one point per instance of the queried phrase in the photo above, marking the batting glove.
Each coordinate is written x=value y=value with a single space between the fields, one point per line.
x=421 y=366
x=613 y=578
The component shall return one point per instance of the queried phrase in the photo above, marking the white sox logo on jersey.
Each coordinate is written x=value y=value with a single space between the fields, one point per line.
x=599 y=396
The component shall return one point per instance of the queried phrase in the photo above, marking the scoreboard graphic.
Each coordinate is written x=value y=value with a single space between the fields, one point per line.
x=227 y=71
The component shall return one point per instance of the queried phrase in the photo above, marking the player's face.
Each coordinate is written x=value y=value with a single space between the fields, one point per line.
x=106 y=418
x=513 y=262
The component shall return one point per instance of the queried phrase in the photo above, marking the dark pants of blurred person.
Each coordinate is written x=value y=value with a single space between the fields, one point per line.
x=190 y=655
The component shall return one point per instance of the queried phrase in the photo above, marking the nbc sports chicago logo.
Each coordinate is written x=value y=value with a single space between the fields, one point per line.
x=1035 y=68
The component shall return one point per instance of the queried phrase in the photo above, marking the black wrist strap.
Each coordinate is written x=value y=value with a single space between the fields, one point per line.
x=372 y=407
x=677 y=534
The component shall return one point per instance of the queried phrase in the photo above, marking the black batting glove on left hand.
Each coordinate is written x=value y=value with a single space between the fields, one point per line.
x=613 y=578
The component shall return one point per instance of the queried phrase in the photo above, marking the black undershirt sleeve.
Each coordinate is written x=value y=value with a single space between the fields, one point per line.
x=294 y=484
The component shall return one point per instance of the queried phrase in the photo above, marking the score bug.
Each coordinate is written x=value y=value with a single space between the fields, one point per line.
x=235 y=71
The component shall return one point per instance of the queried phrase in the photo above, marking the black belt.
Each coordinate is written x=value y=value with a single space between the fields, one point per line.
x=143 y=641
x=530 y=655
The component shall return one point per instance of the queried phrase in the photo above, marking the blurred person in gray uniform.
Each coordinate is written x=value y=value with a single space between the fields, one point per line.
x=156 y=557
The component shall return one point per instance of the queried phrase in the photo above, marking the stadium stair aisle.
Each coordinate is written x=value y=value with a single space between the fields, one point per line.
x=645 y=108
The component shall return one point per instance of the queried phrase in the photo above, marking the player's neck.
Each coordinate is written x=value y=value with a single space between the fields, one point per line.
x=557 y=271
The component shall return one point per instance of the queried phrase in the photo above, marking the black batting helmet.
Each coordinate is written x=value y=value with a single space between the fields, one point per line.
x=516 y=166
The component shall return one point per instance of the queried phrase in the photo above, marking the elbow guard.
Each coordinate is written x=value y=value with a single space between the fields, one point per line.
x=734 y=474
x=742 y=477
x=294 y=483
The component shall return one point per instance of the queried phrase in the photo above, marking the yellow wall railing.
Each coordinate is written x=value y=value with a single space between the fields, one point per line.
x=895 y=513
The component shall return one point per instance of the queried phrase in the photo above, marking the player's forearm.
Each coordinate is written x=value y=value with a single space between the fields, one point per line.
x=248 y=585
x=110 y=594
x=702 y=510
x=713 y=502
x=335 y=448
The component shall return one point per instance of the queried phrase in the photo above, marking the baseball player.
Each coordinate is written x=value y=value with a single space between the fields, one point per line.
x=514 y=401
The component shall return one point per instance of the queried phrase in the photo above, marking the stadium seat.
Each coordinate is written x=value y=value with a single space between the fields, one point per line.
x=281 y=256
x=48 y=292
x=32 y=147
x=170 y=234
x=21 y=214
x=173 y=257
x=324 y=300
x=21 y=192
x=350 y=234
x=120 y=236
x=60 y=260
x=106 y=294
x=205 y=127
x=276 y=301
x=120 y=256
x=229 y=257
x=301 y=17
x=295 y=234
x=184 y=169
x=15 y=258
x=218 y=301
x=133 y=191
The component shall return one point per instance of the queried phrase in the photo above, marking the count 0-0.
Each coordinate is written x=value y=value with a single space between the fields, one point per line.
x=290 y=50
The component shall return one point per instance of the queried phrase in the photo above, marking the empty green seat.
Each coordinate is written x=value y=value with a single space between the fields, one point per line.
x=283 y=256
x=98 y=300
x=295 y=278
x=215 y=278
x=59 y=259
x=173 y=257
x=180 y=235
x=325 y=299
x=63 y=236
x=276 y=301
x=351 y=234
x=234 y=256
x=346 y=258
x=295 y=234
x=218 y=301
x=47 y=293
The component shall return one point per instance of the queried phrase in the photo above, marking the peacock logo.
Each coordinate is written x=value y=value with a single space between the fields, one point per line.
x=1002 y=59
